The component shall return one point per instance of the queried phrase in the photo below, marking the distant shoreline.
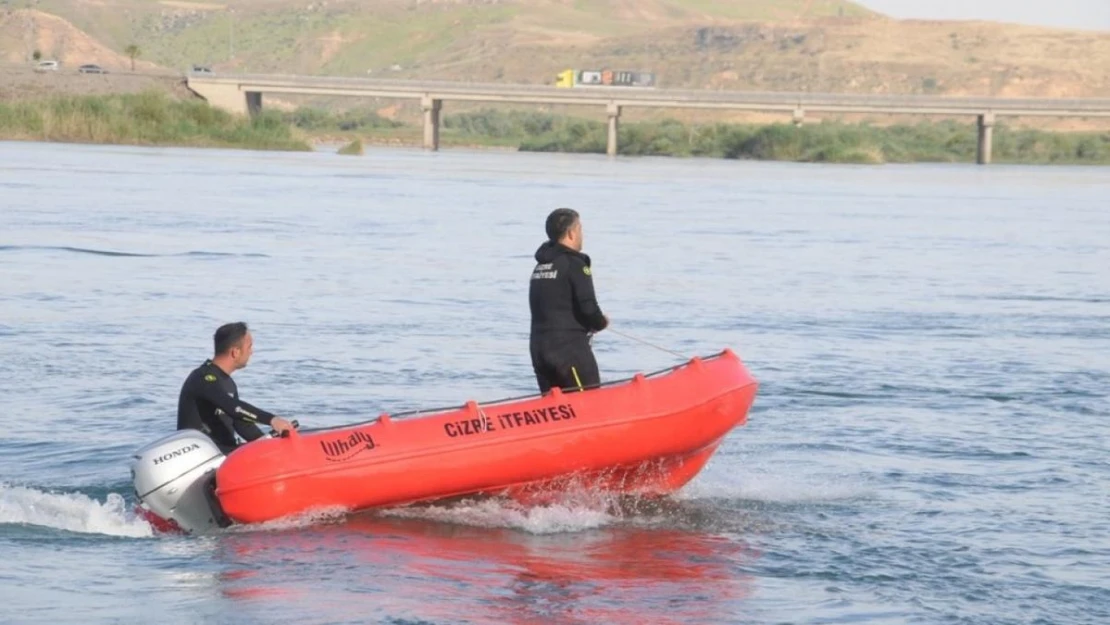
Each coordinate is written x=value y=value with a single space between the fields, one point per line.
x=825 y=142
x=156 y=118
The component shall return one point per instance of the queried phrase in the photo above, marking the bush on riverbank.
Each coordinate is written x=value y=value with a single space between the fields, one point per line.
x=154 y=118
x=353 y=148
x=830 y=142
x=316 y=120
x=149 y=118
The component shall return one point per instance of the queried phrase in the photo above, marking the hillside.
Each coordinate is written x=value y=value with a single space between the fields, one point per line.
x=794 y=45
x=24 y=31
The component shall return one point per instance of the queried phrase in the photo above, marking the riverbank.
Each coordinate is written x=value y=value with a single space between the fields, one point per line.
x=828 y=142
x=154 y=118
x=148 y=118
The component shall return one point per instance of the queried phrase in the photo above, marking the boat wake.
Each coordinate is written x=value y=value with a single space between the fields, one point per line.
x=71 y=512
x=536 y=519
x=309 y=518
x=713 y=502
x=697 y=505
x=768 y=486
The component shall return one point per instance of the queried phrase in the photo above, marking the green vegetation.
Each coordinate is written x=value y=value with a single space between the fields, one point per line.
x=412 y=38
x=154 y=118
x=776 y=10
x=764 y=45
x=317 y=121
x=828 y=142
x=150 y=118
x=353 y=148
x=132 y=51
x=349 y=38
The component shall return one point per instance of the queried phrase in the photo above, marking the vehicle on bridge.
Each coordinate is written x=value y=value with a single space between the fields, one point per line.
x=570 y=78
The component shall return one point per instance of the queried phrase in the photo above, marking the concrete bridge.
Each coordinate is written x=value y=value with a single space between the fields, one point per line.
x=243 y=94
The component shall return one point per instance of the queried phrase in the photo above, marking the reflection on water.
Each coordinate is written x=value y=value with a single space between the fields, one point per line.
x=413 y=567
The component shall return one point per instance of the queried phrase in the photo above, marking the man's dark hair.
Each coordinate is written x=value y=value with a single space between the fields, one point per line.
x=559 y=222
x=228 y=336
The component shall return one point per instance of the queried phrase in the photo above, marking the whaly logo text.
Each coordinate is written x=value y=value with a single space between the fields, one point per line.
x=340 y=449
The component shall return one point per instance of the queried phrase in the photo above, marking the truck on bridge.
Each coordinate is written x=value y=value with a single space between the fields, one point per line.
x=570 y=78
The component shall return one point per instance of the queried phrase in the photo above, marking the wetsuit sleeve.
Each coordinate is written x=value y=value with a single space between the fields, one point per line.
x=248 y=431
x=582 y=285
x=237 y=409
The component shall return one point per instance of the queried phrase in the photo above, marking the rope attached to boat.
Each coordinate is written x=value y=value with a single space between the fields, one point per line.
x=662 y=349
x=430 y=411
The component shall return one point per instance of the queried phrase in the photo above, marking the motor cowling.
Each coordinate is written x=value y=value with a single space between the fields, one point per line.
x=174 y=478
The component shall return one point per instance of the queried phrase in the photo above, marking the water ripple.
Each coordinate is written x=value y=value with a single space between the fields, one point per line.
x=928 y=444
x=116 y=254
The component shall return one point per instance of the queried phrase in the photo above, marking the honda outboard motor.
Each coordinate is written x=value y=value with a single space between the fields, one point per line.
x=174 y=478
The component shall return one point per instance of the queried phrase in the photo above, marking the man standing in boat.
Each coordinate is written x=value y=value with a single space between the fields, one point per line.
x=565 y=312
x=209 y=399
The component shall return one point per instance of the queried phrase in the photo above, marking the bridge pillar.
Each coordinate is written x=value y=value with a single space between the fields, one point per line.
x=986 y=125
x=254 y=102
x=614 y=111
x=432 y=107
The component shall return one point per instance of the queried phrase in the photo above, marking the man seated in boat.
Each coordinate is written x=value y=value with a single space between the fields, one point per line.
x=565 y=312
x=209 y=399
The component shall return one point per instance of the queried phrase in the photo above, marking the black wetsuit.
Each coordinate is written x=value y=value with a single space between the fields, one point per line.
x=564 y=313
x=209 y=402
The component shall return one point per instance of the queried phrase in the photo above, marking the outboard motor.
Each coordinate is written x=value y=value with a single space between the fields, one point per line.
x=174 y=478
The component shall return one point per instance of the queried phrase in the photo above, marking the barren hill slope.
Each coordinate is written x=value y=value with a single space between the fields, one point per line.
x=793 y=45
x=24 y=31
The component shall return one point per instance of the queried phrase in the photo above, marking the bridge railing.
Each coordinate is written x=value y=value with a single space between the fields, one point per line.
x=264 y=82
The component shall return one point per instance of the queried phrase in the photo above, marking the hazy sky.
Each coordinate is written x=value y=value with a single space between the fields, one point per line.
x=1089 y=14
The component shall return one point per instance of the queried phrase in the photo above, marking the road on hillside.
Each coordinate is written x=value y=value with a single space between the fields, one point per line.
x=21 y=82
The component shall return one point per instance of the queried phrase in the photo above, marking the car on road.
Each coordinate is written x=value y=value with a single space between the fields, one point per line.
x=46 y=66
x=91 y=68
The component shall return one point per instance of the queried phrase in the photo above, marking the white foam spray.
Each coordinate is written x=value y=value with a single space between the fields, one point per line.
x=537 y=519
x=73 y=512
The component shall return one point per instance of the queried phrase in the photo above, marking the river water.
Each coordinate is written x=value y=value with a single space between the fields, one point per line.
x=929 y=443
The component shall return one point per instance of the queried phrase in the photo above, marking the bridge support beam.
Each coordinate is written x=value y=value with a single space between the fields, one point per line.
x=432 y=107
x=614 y=111
x=986 y=126
x=254 y=102
x=226 y=96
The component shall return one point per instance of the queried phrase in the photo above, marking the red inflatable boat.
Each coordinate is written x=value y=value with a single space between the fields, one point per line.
x=647 y=435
